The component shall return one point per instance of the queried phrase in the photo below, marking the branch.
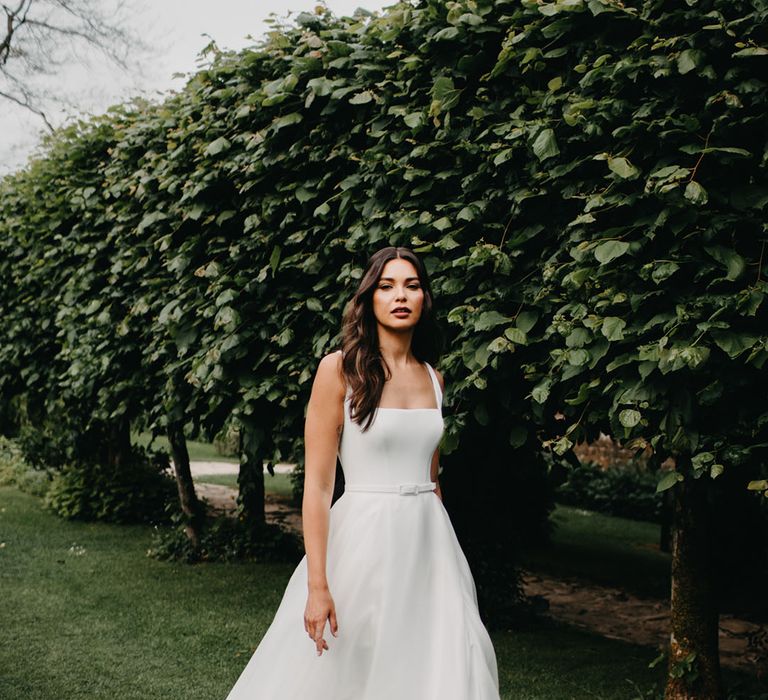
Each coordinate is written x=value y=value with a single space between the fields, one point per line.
x=11 y=15
x=67 y=31
x=26 y=105
x=43 y=35
x=5 y=46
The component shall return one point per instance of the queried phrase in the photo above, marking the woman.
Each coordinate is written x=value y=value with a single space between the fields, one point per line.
x=383 y=570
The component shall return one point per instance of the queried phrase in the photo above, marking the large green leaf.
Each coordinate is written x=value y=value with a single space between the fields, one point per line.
x=613 y=327
x=545 y=144
x=668 y=479
x=218 y=146
x=623 y=168
x=489 y=319
x=733 y=262
x=610 y=250
x=444 y=95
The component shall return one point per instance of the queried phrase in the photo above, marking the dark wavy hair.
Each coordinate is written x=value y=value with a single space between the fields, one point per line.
x=362 y=363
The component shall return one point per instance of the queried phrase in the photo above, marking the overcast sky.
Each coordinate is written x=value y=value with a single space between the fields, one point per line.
x=176 y=29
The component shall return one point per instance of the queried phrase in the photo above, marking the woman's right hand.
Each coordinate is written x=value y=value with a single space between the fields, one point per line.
x=320 y=607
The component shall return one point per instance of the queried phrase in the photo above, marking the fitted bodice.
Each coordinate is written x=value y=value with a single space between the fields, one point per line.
x=398 y=446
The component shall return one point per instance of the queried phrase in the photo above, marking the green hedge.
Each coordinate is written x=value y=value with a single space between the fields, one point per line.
x=560 y=165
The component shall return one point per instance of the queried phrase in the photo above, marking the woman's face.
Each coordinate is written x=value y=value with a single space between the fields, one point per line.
x=398 y=288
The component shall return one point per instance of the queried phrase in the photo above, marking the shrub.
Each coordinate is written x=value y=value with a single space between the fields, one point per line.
x=16 y=471
x=628 y=491
x=137 y=492
x=224 y=539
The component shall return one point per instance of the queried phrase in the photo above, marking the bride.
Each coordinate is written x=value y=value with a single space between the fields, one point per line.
x=388 y=602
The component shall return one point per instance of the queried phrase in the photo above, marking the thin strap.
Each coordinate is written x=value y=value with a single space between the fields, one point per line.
x=436 y=385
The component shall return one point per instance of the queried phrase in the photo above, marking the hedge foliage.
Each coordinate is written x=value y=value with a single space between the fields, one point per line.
x=584 y=178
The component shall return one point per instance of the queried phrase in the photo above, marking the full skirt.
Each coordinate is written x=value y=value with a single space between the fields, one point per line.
x=406 y=606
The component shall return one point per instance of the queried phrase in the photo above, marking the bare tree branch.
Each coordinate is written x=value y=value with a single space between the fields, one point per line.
x=68 y=31
x=14 y=19
x=28 y=106
x=45 y=37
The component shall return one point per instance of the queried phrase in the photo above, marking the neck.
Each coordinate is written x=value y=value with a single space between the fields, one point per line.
x=395 y=348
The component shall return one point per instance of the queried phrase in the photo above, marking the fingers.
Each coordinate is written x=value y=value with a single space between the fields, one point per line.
x=315 y=633
x=314 y=629
x=334 y=623
x=314 y=625
x=317 y=636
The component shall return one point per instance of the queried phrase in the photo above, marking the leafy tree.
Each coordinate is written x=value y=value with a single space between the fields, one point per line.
x=657 y=283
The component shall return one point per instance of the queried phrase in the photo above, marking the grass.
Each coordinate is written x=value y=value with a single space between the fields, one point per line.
x=605 y=550
x=279 y=484
x=106 y=621
x=87 y=615
x=198 y=451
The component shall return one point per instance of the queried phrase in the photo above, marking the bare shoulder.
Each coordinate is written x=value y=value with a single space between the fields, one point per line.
x=329 y=379
x=332 y=358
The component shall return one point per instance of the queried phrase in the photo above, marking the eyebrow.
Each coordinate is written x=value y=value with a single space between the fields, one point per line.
x=392 y=279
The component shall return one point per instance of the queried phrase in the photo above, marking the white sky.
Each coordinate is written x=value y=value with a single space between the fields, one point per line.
x=176 y=29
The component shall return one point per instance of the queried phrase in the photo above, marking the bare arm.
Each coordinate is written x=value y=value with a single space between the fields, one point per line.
x=436 y=457
x=324 y=421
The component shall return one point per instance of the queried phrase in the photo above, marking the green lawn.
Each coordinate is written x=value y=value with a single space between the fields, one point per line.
x=87 y=615
x=198 y=451
x=279 y=484
x=606 y=550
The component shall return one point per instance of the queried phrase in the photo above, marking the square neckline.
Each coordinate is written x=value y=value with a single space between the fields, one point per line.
x=435 y=390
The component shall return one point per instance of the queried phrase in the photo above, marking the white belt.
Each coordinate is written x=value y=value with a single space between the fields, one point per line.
x=402 y=489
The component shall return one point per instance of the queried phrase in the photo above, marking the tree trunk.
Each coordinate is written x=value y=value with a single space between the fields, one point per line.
x=190 y=505
x=694 y=662
x=250 y=480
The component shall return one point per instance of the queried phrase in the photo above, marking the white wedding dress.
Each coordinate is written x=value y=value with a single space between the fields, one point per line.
x=406 y=603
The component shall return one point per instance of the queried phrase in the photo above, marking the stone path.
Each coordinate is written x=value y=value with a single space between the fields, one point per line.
x=611 y=612
x=199 y=467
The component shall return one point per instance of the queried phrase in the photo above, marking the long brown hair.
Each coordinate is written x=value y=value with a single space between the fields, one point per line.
x=362 y=363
